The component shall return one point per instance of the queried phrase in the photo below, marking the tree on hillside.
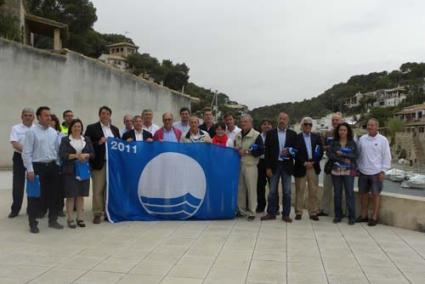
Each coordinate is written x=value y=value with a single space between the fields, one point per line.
x=9 y=25
x=79 y=15
x=394 y=125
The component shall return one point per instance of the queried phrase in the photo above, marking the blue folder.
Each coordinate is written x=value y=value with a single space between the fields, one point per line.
x=33 y=187
x=82 y=170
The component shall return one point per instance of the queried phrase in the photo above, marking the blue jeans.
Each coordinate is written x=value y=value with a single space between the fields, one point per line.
x=272 y=206
x=348 y=183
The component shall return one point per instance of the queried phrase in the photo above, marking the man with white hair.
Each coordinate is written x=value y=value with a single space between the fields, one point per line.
x=307 y=169
x=17 y=136
x=194 y=134
x=327 y=195
x=128 y=124
x=148 y=125
x=250 y=146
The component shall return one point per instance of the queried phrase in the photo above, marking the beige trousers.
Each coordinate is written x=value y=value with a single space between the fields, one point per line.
x=99 y=191
x=247 y=190
x=312 y=182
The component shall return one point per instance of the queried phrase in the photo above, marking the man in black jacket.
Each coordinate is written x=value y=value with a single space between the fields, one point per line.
x=98 y=133
x=279 y=165
x=137 y=133
x=307 y=169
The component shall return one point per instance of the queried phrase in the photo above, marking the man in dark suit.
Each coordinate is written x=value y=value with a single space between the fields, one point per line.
x=279 y=165
x=98 y=133
x=307 y=169
x=137 y=133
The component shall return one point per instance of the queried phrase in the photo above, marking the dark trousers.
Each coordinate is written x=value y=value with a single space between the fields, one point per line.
x=49 y=187
x=345 y=183
x=18 y=185
x=261 y=186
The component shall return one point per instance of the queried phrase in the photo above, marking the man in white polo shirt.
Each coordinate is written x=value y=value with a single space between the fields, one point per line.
x=17 y=136
x=374 y=160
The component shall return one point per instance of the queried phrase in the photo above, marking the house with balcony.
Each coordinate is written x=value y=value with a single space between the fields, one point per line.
x=117 y=54
x=378 y=98
x=414 y=117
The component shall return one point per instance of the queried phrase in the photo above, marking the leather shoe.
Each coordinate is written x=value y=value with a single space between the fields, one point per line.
x=314 y=217
x=34 y=229
x=321 y=213
x=55 y=225
x=286 y=219
x=351 y=222
x=97 y=219
x=337 y=220
x=251 y=218
x=13 y=214
x=268 y=217
x=360 y=219
x=372 y=222
x=298 y=217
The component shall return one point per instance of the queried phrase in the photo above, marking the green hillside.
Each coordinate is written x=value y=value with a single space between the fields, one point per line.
x=410 y=74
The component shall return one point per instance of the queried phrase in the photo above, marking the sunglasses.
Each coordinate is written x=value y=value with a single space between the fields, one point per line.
x=308 y=124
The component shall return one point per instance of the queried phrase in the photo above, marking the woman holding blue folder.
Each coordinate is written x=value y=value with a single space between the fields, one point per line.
x=75 y=151
x=343 y=155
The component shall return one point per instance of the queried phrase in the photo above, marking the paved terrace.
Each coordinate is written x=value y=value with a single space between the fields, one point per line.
x=234 y=251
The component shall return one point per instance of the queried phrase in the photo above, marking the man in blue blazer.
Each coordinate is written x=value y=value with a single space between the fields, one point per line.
x=307 y=169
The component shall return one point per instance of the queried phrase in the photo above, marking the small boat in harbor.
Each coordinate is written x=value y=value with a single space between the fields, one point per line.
x=396 y=175
x=417 y=181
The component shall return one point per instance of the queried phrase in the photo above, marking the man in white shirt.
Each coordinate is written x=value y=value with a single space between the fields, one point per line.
x=231 y=129
x=40 y=157
x=148 y=125
x=17 y=136
x=183 y=124
x=128 y=124
x=374 y=159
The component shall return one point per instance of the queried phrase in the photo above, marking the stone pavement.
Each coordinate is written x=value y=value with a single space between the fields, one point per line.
x=233 y=251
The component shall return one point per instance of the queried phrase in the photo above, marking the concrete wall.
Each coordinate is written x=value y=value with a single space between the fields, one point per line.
x=30 y=77
x=397 y=210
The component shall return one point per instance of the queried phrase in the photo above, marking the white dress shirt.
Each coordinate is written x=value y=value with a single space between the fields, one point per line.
x=232 y=134
x=281 y=137
x=374 y=154
x=17 y=134
x=139 y=135
x=152 y=129
x=184 y=128
x=107 y=131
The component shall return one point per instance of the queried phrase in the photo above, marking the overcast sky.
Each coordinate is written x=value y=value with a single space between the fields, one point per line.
x=272 y=51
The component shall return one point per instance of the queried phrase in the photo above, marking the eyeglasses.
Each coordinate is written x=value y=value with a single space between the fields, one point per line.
x=308 y=124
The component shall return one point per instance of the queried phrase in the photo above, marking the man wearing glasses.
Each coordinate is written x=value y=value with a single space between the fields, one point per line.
x=307 y=169
x=167 y=133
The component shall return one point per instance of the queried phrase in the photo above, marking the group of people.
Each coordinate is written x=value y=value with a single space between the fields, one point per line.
x=48 y=151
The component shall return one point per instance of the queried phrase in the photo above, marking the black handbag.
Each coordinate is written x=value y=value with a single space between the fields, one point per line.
x=328 y=166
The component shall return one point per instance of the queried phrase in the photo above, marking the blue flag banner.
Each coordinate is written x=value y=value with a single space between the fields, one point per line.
x=149 y=181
